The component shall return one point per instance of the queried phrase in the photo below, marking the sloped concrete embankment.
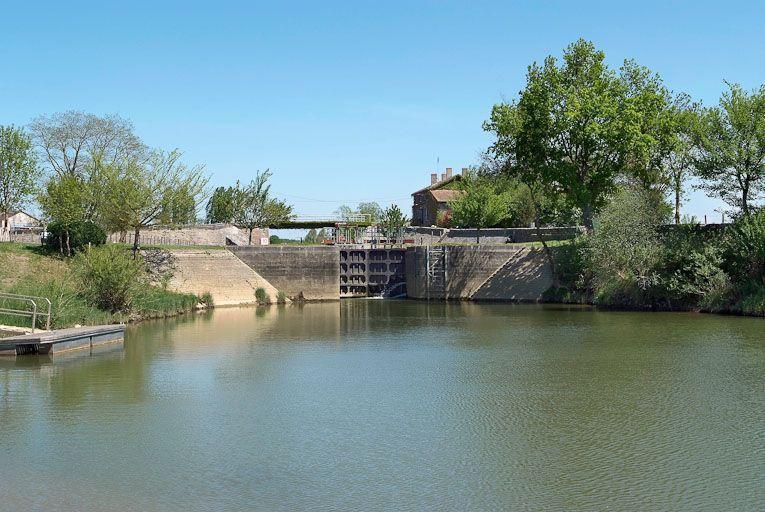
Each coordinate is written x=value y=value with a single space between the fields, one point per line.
x=229 y=280
x=301 y=272
x=482 y=273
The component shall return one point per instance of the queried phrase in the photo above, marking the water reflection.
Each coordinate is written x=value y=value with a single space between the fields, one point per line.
x=371 y=404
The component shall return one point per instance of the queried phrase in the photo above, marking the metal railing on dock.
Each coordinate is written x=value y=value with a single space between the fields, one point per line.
x=32 y=309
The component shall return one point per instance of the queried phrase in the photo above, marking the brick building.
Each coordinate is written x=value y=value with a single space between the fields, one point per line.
x=434 y=199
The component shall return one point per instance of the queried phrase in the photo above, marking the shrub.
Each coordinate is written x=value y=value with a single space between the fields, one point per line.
x=261 y=296
x=626 y=249
x=692 y=266
x=745 y=249
x=81 y=235
x=110 y=277
x=281 y=297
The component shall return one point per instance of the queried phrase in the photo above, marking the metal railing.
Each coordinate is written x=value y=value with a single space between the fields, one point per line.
x=31 y=301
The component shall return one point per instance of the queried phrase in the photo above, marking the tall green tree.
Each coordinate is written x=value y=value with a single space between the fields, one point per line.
x=372 y=209
x=255 y=208
x=479 y=207
x=729 y=141
x=18 y=168
x=392 y=221
x=139 y=191
x=572 y=128
x=220 y=207
x=65 y=201
x=653 y=118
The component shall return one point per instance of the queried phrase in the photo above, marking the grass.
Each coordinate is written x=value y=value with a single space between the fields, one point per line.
x=34 y=270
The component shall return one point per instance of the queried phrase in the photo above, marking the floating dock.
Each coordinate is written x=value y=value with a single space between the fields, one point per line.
x=61 y=340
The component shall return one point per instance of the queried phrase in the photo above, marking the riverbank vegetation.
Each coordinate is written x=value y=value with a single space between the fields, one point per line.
x=98 y=286
x=617 y=150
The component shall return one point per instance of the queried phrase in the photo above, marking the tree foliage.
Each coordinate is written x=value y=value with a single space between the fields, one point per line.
x=220 y=207
x=730 y=144
x=140 y=191
x=65 y=202
x=392 y=220
x=71 y=140
x=373 y=210
x=478 y=207
x=625 y=247
x=578 y=126
x=18 y=168
x=254 y=207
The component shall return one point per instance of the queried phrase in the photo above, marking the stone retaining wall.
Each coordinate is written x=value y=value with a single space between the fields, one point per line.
x=197 y=234
x=301 y=272
x=500 y=272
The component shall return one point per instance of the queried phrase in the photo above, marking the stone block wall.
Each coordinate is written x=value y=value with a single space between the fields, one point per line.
x=197 y=234
x=478 y=272
x=301 y=272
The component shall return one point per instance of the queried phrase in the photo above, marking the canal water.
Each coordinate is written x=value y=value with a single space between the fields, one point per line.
x=395 y=405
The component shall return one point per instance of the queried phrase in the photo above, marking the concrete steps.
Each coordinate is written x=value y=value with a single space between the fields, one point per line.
x=226 y=277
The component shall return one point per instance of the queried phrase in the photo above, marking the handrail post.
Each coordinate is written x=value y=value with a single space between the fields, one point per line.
x=34 y=315
x=47 y=321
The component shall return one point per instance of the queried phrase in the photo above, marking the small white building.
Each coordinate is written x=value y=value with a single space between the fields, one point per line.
x=17 y=222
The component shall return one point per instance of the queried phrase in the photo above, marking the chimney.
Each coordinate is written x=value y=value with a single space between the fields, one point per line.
x=433 y=178
x=448 y=173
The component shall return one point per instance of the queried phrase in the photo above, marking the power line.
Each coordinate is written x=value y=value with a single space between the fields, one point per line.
x=347 y=200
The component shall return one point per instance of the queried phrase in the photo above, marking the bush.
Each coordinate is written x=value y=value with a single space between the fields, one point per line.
x=261 y=296
x=281 y=298
x=111 y=278
x=626 y=250
x=692 y=266
x=745 y=249
x=81 y=235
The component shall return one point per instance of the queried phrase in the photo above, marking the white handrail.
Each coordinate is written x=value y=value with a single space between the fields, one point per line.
x=34 y=313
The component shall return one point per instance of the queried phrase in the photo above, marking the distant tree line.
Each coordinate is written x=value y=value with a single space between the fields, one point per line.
x=92 y=174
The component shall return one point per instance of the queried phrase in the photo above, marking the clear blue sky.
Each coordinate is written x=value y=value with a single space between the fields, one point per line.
x=344 y=101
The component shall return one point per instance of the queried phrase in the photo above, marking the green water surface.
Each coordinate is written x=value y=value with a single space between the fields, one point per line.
x=394 y=405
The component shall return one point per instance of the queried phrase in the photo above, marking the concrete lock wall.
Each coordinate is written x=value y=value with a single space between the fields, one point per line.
x=481 y=273
x=309 y=273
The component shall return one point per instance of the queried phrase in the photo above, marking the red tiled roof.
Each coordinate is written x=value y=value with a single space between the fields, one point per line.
x=444 y=196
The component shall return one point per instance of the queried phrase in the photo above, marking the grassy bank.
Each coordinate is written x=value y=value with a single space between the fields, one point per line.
x=35 y=270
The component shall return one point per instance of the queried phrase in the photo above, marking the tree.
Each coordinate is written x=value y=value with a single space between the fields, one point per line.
x=344 y=212
x=479 y=207
x=71 y=140
x=64 y=201
x=277 y=212
x=18 y=168
x=679 y=162
x=179 y=207
x=392 y=221
x=571 y=129
x=220 y=207
x=652 y=120
x=139 y=191
x=254 y=208
x=373 y=210
x=729 y=140
x=310 y=237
